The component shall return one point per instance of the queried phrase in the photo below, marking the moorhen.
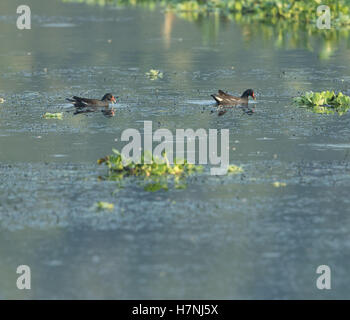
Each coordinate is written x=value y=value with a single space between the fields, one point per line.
x=225 y=98
x=85 y=102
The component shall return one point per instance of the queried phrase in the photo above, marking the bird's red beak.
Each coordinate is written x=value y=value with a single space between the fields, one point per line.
x=114 y=99
x=253 y=95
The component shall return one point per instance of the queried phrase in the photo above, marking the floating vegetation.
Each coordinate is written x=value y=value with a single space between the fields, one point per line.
x=156 y=172
x=156 y=186
x=120 y=167
x=101 y=205
x=154 y=74
x=325 y=102
x=278 y=184
x=58 y=115
x=234 y=169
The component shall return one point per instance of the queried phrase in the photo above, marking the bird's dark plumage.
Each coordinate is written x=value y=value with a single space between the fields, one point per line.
x=224 y=98
x=79 y=102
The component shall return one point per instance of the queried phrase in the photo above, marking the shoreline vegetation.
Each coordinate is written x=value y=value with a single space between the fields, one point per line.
x=292 y=23
x=297 y=11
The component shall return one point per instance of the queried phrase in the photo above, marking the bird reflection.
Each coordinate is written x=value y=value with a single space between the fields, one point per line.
x=106 y=111
x=244 y=107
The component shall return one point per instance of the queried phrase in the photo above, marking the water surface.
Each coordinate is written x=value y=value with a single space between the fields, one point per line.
x=223 y=237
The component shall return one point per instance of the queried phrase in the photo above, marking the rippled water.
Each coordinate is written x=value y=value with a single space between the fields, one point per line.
x=223 y=237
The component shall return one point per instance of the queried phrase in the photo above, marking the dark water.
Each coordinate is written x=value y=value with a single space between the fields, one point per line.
x=224 y=237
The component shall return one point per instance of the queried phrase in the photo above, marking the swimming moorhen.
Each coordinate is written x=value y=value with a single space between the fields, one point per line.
x=85 y=102
x=225 y=98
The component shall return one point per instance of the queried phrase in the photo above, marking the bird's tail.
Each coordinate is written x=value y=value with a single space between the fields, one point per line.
x=216 y=98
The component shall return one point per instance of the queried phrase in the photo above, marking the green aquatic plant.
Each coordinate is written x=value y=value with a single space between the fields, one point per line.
x=58 y=115
x=278 y=184
x=327 y=102
x=156 y=186
x=233 y=169
x=298 y=10
x=118 y=165
x=155 y=173
x=154 y=74
x=102 y=205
